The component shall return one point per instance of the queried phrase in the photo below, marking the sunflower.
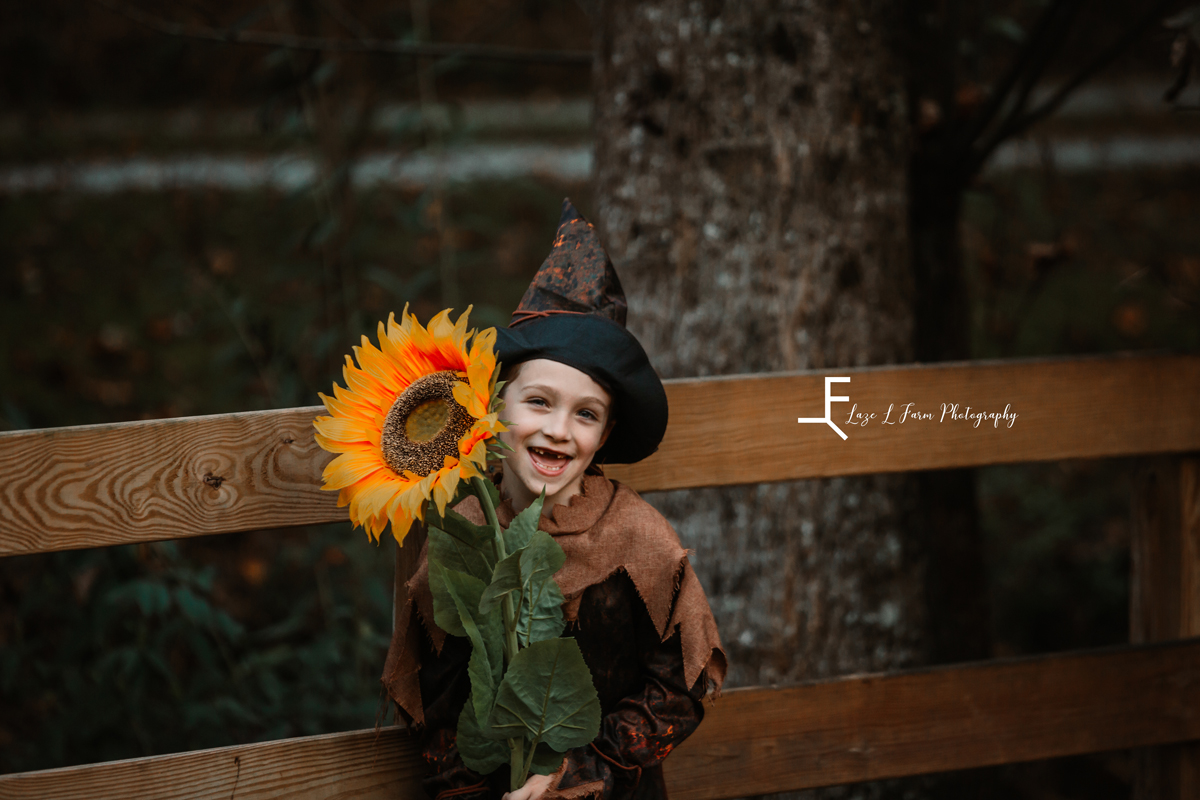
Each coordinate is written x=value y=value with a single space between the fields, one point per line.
x=414 y=420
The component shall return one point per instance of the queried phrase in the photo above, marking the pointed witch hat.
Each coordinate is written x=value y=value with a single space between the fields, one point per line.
x=574 y=313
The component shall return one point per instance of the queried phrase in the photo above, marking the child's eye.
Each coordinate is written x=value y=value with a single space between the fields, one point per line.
x=537 y=401
x=589 y=414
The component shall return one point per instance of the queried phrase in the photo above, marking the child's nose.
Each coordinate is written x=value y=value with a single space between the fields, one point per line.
x=556 y=426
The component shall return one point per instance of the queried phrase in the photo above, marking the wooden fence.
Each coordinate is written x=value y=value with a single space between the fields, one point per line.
x=146 y=481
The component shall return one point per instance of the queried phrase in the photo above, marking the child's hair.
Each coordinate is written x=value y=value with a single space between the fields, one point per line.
x=508 y=374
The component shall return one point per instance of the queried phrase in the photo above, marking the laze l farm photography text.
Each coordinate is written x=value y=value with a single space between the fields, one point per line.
x=898 y=414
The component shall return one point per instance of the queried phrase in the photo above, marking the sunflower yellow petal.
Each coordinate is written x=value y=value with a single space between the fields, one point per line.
x=350 y=468
x=460 y=328
x=341 y=407
x=469 y=400
x=400 y=528
x=442 y=494
x=478 y=455
x=361 y=383
x=348 y=430
x=336 y=447
x=467 y=471
x=440 y=327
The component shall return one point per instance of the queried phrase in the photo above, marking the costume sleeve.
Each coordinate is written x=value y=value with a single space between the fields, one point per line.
x=640 y=730
x=444 y=689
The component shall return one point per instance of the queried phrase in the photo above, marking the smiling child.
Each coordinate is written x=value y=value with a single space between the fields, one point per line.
x=580 y=393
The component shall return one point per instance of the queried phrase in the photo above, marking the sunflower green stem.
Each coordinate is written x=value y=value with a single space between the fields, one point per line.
x=518 y=764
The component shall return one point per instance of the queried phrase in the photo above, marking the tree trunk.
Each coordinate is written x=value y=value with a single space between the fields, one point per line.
x=956 y=584
x=751 y=188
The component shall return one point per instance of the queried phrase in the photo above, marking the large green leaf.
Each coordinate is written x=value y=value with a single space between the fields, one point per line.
x=505 y=579
x=462 y=528
x=445 y=611
x=547 y=696
x=486 y=631
x=541 y=614
x=462 y=551
x=528 y=574
x=522 y=528
x=479 y=752
x=546 y=760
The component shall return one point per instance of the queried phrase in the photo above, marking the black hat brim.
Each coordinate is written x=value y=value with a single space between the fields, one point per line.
x=610 y=355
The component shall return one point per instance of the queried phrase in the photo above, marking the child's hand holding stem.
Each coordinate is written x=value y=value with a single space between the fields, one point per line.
x=534 y=788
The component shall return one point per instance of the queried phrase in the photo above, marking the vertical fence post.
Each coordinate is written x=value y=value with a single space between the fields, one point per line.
x=1165 y=600
x=407 y=558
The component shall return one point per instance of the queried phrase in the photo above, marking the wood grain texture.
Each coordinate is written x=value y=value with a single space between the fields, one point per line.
x=1165 y=600
x=101 y=485
x=744 y=429
x=998 y=712
x=1189 y=530
x=98 y=485
x=363 y=765
x=752 y=740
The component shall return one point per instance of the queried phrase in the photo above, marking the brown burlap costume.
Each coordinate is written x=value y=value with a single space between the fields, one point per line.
x=643 y=623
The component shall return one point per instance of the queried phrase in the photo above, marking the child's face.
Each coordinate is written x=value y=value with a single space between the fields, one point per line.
x=557 y=419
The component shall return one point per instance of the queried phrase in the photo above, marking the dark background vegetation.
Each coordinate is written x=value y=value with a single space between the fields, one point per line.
x=141 y=305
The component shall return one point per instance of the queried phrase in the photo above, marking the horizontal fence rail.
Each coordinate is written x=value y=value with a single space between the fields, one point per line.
x=100 y=485
x=361 y=764
x=752 y=741
x=743 y=429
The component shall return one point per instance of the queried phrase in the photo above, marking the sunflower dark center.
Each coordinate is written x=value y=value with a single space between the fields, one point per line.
x=427 y=420
x=424 y=425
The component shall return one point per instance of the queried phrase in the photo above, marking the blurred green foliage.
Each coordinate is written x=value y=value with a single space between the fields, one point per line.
x=136 y=650
x=1057 y=552
x=197 y=303
x=1073 y=265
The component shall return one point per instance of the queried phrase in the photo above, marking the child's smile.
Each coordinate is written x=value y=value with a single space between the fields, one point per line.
x=548 y=462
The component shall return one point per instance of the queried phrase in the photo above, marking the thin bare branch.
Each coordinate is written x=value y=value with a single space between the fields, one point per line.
x=1018 y=123
x=1055 y=38
x=1056 y=34
x=383 y=46
x=1051 y=30
x=1183 y=71
x=999 y=95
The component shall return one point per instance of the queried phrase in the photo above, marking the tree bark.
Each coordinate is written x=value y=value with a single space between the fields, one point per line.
x=956 y=584
x=751 y=188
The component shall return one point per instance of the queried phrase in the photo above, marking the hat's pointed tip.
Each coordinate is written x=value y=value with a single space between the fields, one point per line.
x=569 y=212
x=577 y=275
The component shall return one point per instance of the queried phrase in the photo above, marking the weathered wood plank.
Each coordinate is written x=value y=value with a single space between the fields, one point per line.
x=752 y=740
x=100 y=485
x=1165 y=595
x=744 y=429
x=998 y=712
x=340 y=766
